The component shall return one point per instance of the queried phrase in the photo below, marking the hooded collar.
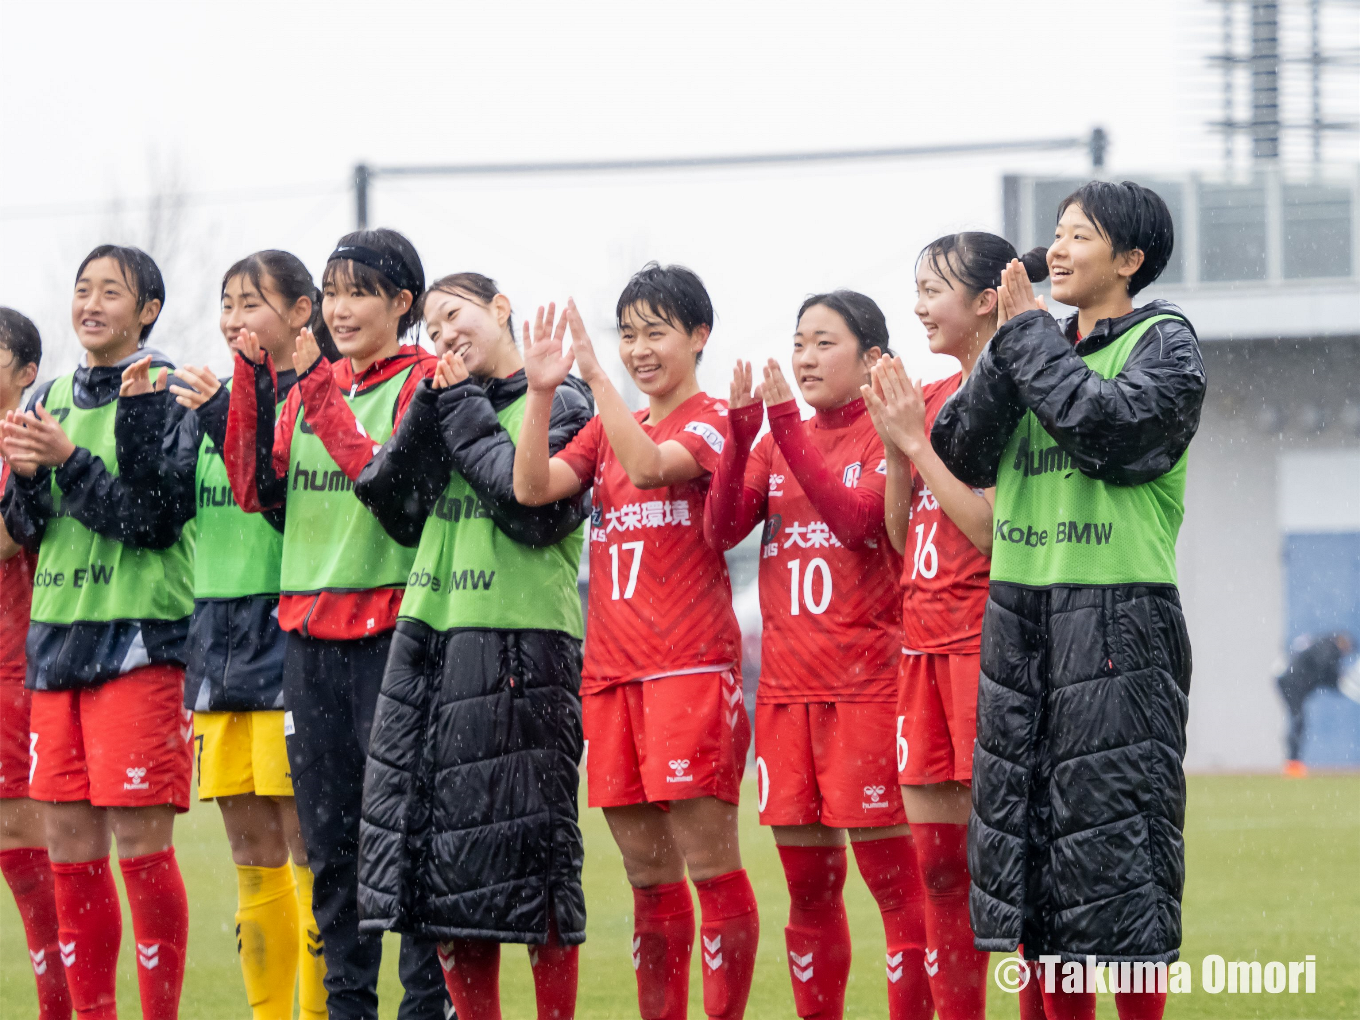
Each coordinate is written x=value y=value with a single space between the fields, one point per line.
x=95 y=386
x=1106 y=331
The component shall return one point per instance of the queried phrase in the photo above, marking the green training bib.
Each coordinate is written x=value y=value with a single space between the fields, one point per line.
x=237 y=554
x=84 y=577
x=1054 y=525
x=469 y=573
x=330 y=540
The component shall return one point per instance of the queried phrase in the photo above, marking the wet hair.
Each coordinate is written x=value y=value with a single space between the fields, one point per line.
x=1130 y=216
x=288 y=276
x=140 y=272
x=976 y=258
x=861 y=314
x=673 y=293
x=474 y=285
x=393 y=247
x=20 y=337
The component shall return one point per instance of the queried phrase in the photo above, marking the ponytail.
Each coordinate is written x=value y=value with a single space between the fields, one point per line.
x=976 y=258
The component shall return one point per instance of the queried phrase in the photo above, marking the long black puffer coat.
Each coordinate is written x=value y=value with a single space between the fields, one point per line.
x=1074 y=845
x=469 y=826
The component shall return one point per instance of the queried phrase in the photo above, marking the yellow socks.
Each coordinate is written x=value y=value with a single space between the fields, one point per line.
x=266 y=937
x=311 y=965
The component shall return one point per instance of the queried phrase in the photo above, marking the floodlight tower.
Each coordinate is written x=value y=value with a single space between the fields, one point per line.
x=1263 y=61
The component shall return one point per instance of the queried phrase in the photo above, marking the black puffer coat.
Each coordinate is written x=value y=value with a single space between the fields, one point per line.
x=469 y=825
x=1074 y=845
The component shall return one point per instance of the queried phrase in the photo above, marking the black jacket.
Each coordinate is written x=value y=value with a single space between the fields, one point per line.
x=404 y=480
x=234 y=657
x=145 y=504
x=1074 y=844
x=469 y=826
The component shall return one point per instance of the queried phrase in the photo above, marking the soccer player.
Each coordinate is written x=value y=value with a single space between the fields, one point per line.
x=661 y=692
x=943 y=529
x=112 y=598
x=483 y=683
x=341 y=576
x=234 y=676
x=830 y=644
x=23 y=841
x=1082 y=426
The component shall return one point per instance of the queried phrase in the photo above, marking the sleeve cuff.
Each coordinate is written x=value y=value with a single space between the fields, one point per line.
x=788 y=407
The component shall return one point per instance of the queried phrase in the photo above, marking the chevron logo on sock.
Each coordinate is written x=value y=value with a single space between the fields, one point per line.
x=533 y=956
x=932 y=963
x=895 y=967
x=445 y=959
x=39 y=961
x=149 y=956
x=637 y=952
x=712 y=954
x=314 y=944
x=238 y=940
x=449 y=1012
x=68 y=952
x=802 y=966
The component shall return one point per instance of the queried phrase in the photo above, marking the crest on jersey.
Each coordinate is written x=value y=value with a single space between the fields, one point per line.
x=772 y=526
x=851 y=475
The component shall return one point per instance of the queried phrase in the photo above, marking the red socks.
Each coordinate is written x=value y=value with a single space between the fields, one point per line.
x=663 y=939
x=889 y=870
x=29 y=876
x=1031 y=996
x=472 y=974
x=90 y=926
x=729 y=930
x=555 y=977
x=1060 y=1005
x=958 y=972
x=160 y=922
x=818 y=934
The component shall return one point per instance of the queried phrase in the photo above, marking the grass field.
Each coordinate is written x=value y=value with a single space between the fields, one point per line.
x=1273 y=873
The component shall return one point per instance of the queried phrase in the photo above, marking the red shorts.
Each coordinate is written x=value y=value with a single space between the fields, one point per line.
x=14 y=757
x=828 y=762
x=126 y=743
x=673 y=738
x=936 y=718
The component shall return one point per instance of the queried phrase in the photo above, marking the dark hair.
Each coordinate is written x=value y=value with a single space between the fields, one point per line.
x=392 y=245
x=20 y=337
x=1130 y=216
x=673 y=293
x=976 y=258
x=861 y=314
x=140 y=272
x=291 y=279
x=474 y=285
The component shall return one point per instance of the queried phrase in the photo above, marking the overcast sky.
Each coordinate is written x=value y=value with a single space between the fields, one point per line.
x=265 y=107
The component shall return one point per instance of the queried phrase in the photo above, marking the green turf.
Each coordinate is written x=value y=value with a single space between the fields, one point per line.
x=1273 y=873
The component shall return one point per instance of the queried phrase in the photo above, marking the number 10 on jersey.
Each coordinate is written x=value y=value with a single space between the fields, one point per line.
x=816 y=566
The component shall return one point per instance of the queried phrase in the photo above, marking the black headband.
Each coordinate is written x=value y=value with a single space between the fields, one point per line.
x=389 y=265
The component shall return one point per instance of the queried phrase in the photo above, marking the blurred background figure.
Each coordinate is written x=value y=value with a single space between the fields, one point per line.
x=1314 y=665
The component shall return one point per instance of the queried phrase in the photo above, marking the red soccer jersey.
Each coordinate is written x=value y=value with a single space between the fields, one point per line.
x=944 y=577
x=660 y=598
x=830 y=627
x=16 y=597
